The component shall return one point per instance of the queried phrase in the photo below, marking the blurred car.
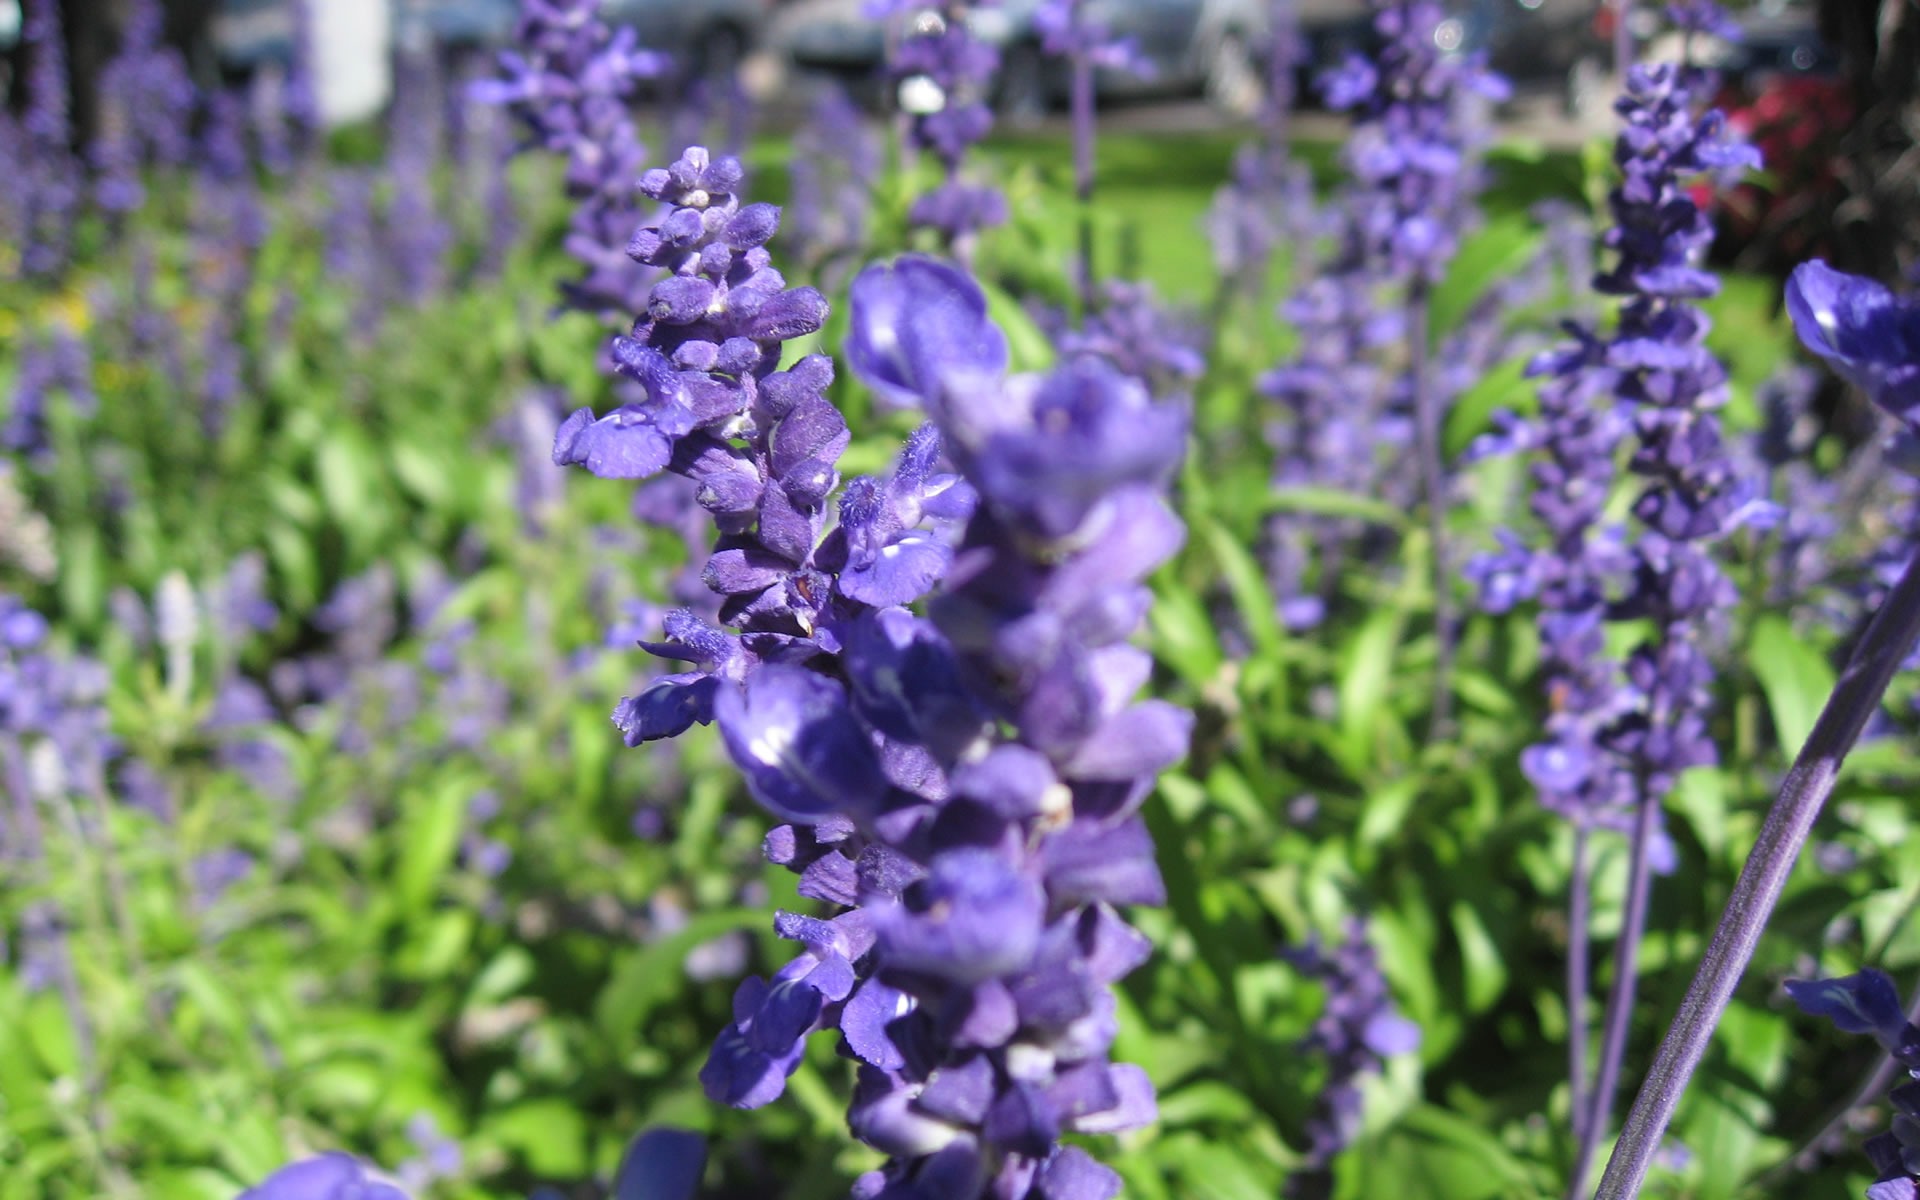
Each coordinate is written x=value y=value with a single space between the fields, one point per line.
x=704 y=37
x=1556 y=44
x=1783 y=92
x=454 y=25
x=249 y=34
x=1191 y=45
x=9 y=24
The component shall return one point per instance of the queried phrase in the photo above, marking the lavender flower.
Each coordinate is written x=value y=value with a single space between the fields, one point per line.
x=965 y=786
x=568 y=80
x=941 y=72
x=1855 y=335
x=330 y=1176
x=49 y=189
x=437 y=1156
x=1129 y=327
x=704 y=351
x=55 y=365
x=1620 y=734
x=418 y=237
x=1869 y=1003
x=835 y=162
x=1357 y=1030
x=1410 y=199
x=1871 y=337
x=146 y=102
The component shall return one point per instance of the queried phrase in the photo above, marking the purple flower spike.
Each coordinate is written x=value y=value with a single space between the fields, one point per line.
x=963 y=780
x=917 y=322
x=1871 y=336
x=331 y=1176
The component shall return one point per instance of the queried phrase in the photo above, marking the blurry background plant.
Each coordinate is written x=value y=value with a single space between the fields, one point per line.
x=317 y=835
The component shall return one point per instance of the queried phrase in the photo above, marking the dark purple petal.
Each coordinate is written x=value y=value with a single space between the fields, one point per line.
x=617 y=446
x=661 y=1164
x=1863 y=1003
x=667 y=707
x=1114 y=865
x=972 y=918
x=914 y=323
x=793 y=736
x=1072 y=1174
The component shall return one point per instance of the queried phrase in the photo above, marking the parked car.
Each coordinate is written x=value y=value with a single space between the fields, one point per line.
x=1783 y=92
x=1206 y=46
x=249 y=34
x=456 y=26
x=704 y=37
x=1556 y=44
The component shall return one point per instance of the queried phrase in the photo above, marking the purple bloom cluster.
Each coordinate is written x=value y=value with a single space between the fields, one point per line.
x=1869 y=1003
x=1414 y=130
x=963 y=785
x=1613 y=740
x=569 y=81
x=419 y=237
x=1068 y=30
x=284 y=106
x=55 y=364
x=1357 y=1030
x=146 y=110
x=1131 y=328
x=1869 y=335
x=1410 y=198
x=703 y=355
x=44 y=181
x=835 y=162
x=942 y=73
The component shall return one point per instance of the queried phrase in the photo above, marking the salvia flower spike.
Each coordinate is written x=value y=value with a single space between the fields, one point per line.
x=964 y=785
x=1865 y=331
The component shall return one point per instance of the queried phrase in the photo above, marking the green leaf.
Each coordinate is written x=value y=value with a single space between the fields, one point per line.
x=1503 y=388
x=549 y=1134
x=1486 y=975
x=1794 y=676
x=432 y=824
x=1495 y=253
x=1184 y=635
x=1334 y=502
x=1248 y=586
x=1366 y=677
x=1028 y=349
x=647 y=976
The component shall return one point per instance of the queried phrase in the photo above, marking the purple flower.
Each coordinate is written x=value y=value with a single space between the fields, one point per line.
x=1867 y=1002
x=568 y=80
x=1871 y=337
x=917 y=322
x=965 y=785
x=1357 y=1029
x=330 y=1176
x=942 y=73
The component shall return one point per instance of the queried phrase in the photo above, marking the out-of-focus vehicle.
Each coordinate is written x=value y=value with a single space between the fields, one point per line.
x=456 y=26
x=1782 y=90
x=1208 y=46
x=9 y=24
x=250 y=34
x=706 y=38
x=1536 y=43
